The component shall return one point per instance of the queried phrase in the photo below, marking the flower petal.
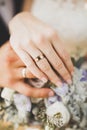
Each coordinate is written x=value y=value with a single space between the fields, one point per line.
x=22 y=102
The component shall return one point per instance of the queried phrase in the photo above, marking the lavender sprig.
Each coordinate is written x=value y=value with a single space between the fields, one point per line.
x=84 y=76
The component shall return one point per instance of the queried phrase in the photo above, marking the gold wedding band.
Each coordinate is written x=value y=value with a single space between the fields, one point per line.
x=24 y=72
x=38 y=58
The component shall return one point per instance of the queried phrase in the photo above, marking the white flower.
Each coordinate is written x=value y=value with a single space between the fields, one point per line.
x=58 y=114
x=22 y=102
x=7 y=94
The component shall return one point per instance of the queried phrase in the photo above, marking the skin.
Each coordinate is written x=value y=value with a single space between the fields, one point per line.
x=30 y=38
x=10 y=74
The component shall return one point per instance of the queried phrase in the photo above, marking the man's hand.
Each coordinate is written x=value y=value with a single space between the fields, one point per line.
x=11 y=74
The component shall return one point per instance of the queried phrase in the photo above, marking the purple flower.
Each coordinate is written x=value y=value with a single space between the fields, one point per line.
x=53 y=99
x=61 y=91
x=22 y=102
x=84 y=76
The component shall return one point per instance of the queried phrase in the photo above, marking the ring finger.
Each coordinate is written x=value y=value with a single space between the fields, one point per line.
x=43 y=64
x=23 y=72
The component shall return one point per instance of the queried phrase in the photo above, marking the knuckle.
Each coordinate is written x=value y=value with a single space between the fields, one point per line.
x=65 y=56
x=48 y=52
x=26 y=41
x=45 y=68
x=59 y=65
x=40 y=39
x=52 y=33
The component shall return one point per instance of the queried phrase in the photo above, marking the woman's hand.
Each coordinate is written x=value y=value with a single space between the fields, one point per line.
x=39 y=47
x=11 y=74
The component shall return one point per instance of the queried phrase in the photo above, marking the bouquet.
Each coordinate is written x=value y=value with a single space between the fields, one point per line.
x=66 y=110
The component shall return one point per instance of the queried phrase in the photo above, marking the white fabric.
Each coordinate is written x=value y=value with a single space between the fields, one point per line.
x=7 y=10
x=67 y=17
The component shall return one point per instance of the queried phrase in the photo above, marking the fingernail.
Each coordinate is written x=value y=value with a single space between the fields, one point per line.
x=69 y=81
x=51 y=93
x=59 y=84
x=44 y=80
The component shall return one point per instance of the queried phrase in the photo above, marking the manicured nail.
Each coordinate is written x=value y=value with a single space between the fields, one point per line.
x=51 y=93
x=44 y=80
x=59 y=84
x=69 y=81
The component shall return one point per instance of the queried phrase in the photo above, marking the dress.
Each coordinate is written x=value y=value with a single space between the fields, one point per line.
x=68 y=17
